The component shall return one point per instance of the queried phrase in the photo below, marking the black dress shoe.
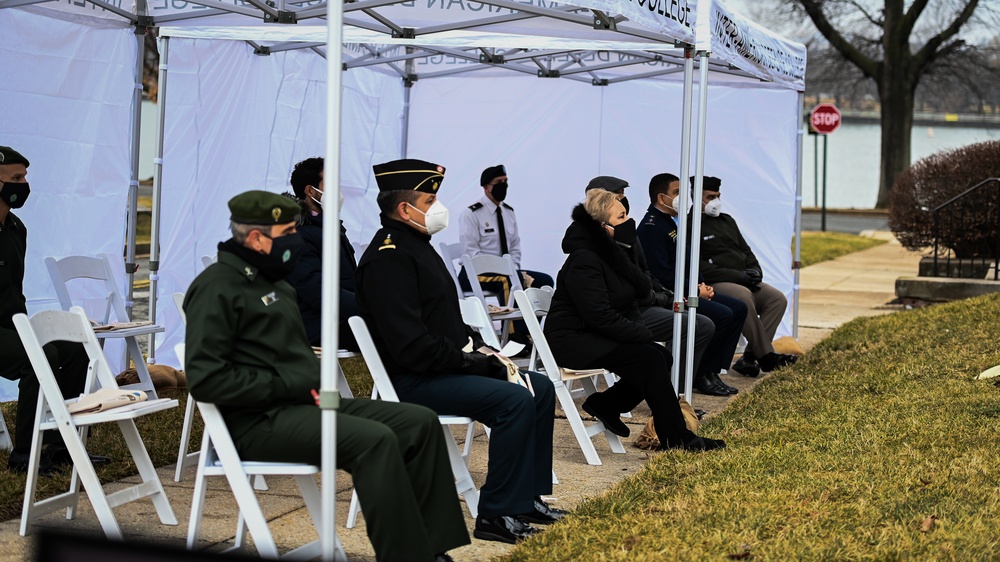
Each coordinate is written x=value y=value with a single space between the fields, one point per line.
x=612 y=420
x=696 y=445
x=705 y=385
x=722 y=384
x=18 y=462
x=746 y=367
x=770 y=362
x=544 y=514
x=505 y=528
x=59 y=455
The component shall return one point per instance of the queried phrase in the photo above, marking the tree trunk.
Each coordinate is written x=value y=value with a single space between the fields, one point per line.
x=897 y=124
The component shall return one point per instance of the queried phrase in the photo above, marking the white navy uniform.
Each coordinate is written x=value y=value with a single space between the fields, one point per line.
x=480 y=233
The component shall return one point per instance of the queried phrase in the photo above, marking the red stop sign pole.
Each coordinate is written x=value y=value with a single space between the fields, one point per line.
x=824 y=120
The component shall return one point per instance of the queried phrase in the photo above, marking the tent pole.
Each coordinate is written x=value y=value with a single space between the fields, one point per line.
x=797 y=258
x=699 y=174
x=133 y=184
x=407 y=86
x=329 y=399
x=154 y=230
x=682 y=217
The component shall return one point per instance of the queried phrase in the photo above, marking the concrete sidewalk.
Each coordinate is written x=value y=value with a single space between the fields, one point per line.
x=833 y=292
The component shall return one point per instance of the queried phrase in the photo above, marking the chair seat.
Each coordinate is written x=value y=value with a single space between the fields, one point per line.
x=130 y=332
x=455 y=420
x=129 y=412
x=266 y=468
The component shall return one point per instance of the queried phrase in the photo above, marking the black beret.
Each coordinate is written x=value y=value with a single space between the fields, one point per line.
x=607 y=183
x=263 y=207
x=408 y=174
x=492 y=173
x=10 y=156
x=708 y=183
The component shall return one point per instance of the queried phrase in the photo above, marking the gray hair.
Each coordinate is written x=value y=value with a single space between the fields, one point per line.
x=599 y=203
x=241 y=231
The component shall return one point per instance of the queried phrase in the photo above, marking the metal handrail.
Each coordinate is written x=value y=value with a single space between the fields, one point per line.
x=994 y=263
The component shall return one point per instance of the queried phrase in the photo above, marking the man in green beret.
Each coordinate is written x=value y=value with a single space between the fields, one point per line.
x=248 y=353
x=68 y=360
x=409 y=300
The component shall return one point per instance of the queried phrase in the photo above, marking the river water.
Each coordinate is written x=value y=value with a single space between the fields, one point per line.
x=854 y=154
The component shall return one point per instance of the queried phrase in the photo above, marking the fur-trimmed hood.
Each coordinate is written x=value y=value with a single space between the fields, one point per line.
x=586 y=233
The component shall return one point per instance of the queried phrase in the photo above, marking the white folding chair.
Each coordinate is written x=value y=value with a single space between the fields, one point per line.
x=498 y=265
x=534 y=300
x=52 y=413
x=383 y=389
x=208 y=260
x=99 y=268
x=452 y=258
x=5 y=442
x=218 y=457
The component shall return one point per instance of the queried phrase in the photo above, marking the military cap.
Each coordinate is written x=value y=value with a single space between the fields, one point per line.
x=607 y=183
x=262 y=207
x=409 y=174
x=492 y=173
x=708 y=183
x=10 y=156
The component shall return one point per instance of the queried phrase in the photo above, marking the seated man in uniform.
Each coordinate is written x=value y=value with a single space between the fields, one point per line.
x=407 y=297
x=248 y=353
x=658 y=233
x=68 y=360
x=729 y=265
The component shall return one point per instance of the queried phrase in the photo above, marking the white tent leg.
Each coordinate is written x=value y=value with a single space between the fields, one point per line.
x=797 y=256
x=133 y=184
x=682 y=218
x=154 y=234
x=699 y=173
x=329 y=397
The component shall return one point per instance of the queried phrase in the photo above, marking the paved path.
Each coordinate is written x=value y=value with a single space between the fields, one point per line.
x=833 y=293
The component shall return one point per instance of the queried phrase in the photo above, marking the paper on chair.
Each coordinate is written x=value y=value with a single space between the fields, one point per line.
x=494 y=309
x=105 y=399
x=512 y=348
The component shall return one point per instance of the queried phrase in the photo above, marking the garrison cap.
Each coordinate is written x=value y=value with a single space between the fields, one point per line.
x=10 y=156
x=708 y=183
x=408 y=174
x=263 y=207
x=492 y=173
x=607 y=183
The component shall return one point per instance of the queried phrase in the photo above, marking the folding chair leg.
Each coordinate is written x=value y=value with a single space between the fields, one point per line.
x=198 y=500
x=31 y=485
x=613 y=440
x=184 y=459
x=352 y=513
x=254 y=517
x=463 y=480
x=95 y=492
x=577 y=425
x=145 y=381
x=147 y=471
x=470 y=434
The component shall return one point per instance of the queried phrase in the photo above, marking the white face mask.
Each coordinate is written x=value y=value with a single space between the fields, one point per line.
x=320 y=200
x=675 y=204
x=713 y=207
x=435 y=219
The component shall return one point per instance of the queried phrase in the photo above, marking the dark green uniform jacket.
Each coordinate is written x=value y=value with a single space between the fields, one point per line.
x=725 y=255
x=252 y=353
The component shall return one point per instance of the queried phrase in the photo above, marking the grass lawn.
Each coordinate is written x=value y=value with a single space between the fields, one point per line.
x=847 y=455
x=823 y=246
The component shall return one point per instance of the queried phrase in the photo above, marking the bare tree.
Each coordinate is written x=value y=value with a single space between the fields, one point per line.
x=894 y=43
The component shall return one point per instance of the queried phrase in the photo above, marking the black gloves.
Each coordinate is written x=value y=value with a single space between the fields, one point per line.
x=751 y=278
x=755 y=275
x=483 y=365
x=664 y=299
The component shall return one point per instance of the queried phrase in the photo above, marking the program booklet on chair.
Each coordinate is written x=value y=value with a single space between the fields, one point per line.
x=105 y=399
x=116 y=326
x=513 y=373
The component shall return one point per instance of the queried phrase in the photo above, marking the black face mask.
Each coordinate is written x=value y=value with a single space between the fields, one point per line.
x=499 y=191
x=624 y=202
x=625 y=233
x=14 y=194
x=273 y=266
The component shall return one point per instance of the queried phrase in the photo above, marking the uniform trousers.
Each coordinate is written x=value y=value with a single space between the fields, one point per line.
x=660 y=321
x=765 y=309
x=398 y=459
x=644 y=369
x=69 y=363
x=520 y=457
x=728 y=315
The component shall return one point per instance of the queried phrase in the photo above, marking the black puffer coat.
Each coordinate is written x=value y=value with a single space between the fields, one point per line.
x=596 y=304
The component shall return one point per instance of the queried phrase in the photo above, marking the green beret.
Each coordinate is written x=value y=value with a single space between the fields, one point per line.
x=263 y=207
x=408 y=174
x=10 y=156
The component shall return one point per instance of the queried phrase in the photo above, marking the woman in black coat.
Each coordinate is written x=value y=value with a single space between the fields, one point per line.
x=594 y=322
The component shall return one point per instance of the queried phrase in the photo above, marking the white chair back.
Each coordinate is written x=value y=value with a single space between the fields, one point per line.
x=474 y=315
x=85 y=267
x=383 y=384
x=450 y=254
x=208 y=260
x=485 y=264
x=178 y=299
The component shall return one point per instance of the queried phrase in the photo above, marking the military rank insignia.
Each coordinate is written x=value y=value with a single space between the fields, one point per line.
x=269 y=298
x=387 y=243
x=276 y=213
x=673 y=235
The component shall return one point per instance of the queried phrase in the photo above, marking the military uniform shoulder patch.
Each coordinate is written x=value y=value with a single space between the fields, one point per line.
x=387 y=243
x=475 y=206
x=509 y=208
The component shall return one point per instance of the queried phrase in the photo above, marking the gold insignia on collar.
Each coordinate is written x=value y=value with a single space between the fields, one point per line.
x=276 y=213
x=387 y=243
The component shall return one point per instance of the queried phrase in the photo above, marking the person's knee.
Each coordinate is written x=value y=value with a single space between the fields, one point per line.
x=704 y=328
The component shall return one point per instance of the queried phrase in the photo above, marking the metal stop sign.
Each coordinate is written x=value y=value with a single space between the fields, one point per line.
x=825 y=118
